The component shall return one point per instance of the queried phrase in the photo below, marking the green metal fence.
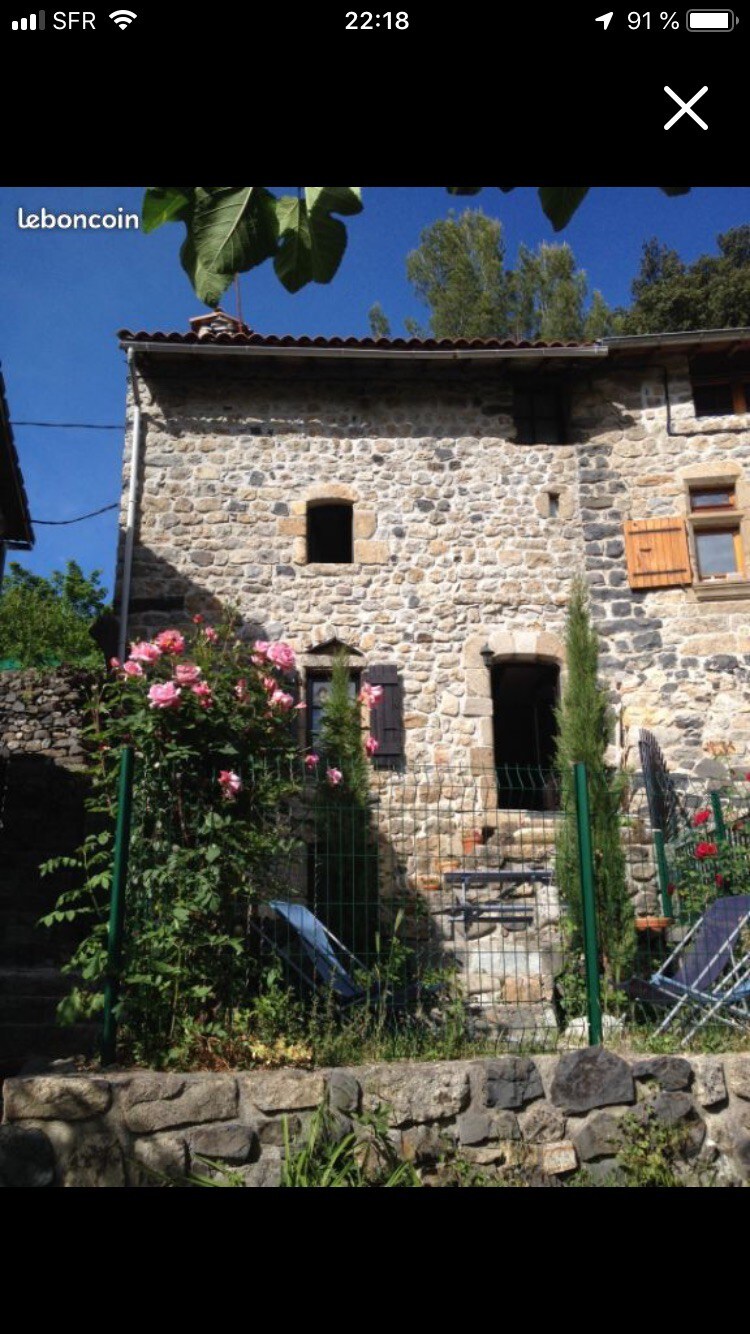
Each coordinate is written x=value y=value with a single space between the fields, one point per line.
x=444 y=892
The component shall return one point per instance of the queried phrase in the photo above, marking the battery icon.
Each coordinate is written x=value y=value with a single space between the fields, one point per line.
x=710 y=20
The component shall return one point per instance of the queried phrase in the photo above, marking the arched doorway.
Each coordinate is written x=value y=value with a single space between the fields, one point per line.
x=524 y=696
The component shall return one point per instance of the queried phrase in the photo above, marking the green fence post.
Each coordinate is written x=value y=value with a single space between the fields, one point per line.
x=590 y=943
x=117 y=904
x=662 y=870
x=719 y=825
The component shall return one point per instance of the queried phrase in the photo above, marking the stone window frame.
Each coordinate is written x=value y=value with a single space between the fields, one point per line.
x=735 y=518
x=366 y=550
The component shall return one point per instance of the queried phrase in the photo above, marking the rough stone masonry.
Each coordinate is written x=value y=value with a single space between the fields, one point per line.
x=463 y=537
x=547 y=1117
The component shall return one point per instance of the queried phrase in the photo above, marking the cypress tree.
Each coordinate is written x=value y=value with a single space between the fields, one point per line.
x=583 y=721
x=346 y=854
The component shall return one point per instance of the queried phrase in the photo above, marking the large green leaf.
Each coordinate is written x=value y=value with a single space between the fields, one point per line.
x=209 y=287
x=312 y=244
x=166 y=203
x=343 y=199
x=233 y=227
x=560 y=202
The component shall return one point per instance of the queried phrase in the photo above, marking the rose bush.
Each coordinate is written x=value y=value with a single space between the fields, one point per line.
x=216 y=764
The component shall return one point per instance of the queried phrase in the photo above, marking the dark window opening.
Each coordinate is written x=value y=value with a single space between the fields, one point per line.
x=554 y=504
x=318 y=686
x=714 y=400
x=712 y=498
x=524 y=696
x=539 y=416
x=329 y=534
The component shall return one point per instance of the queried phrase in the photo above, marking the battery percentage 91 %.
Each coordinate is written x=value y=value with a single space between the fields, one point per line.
x=667 y=21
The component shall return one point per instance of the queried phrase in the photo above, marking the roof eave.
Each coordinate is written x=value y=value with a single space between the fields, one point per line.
x=593 y=352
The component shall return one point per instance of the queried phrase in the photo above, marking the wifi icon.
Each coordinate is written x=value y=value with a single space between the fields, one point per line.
x=123 y=17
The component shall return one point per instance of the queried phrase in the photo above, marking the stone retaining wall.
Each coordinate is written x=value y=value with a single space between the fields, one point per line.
x=548 y=1116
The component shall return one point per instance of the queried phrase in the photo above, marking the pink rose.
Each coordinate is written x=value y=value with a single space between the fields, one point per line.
x=240 y=690
x=210 y=635
x=203 y=693
x=281 y=655
x=133 y=669
x=334 y=776
x=165 y=696
x=370 y=695
x=198 y=619
x=301 y=705
x=371 y=745
x=270 y=684
x=260 y=650
x=281 y=699
x=230 y=783
x=311 y=761
x=186 y=673
x=115 y=664
x=144 y=652
x=170 y=641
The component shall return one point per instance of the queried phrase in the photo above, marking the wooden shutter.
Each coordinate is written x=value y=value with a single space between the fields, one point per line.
x=387 y=717
x=657 y=553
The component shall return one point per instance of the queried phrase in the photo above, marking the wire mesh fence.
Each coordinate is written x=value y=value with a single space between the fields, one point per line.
x=444 y=891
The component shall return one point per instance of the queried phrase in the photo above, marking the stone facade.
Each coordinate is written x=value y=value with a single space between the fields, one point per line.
x=463 y=537
x=529 y=1121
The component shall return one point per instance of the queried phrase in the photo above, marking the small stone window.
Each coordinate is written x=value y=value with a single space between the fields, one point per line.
x=720 y=389
x=330 y=533
x=539 y=416
x=715 y=524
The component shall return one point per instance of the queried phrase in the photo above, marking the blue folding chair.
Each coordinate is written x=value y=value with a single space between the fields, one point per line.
x=707 y=976
x=323 y=962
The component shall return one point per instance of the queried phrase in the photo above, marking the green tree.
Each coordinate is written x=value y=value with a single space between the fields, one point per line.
x=458 y=271
x=346 y=847
x=711 y=293
x=583 y=735
x=380 y=325
x=45 y=622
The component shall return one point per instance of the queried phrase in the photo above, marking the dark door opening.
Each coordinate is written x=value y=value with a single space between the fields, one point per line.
x=524 y=695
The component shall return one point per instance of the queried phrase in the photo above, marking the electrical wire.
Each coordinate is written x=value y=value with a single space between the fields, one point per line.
x=59 y=523
x=78 y=426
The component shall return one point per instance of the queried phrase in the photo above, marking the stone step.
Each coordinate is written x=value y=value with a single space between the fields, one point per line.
x=22 y=1042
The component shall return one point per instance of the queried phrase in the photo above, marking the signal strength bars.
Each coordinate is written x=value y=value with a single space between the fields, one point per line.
x=34 y=23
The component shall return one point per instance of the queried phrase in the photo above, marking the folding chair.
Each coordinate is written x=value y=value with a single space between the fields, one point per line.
x=708 y=974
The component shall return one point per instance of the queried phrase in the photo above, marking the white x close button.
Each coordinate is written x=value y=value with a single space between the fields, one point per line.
x=685 y=107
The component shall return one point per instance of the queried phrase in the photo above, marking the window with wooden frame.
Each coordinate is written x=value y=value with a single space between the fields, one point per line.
x=539 y=416
x=715 y=524
x=318 y=684
x=722 y=394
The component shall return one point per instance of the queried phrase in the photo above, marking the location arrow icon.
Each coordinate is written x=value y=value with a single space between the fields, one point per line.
x=606 y=19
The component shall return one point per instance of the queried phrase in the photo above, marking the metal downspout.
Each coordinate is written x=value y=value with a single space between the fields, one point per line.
x=135 y=464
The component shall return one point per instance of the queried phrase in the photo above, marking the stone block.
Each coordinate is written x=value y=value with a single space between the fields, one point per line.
x=344 y=1093
x=203 y=1098
x=87 y=1153
x=591 y=1078
x=509 y=1082
x=669 y=1072
x=56 y=1097
x=557 y=1158
x=228 y=1141
x=282 y=1090
x=600 y=1137
x=365 y=522
x=737 y=1070
x=418 y=1092
x=709 y=1086
x=291 y=527
x=370 y=553
x=474 y=1128
x=155 y=1157
x=478 y=706
x=541 y=1123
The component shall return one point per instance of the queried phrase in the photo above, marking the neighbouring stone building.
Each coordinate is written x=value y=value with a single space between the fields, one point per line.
x=426 y=504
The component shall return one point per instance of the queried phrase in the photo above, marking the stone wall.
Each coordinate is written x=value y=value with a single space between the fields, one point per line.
x=456 y=542
x=544 y=1118
x=41 y=713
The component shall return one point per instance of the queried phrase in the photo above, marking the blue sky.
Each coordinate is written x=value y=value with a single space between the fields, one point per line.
x=63 y=296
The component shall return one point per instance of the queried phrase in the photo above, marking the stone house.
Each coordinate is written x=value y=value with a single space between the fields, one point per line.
x=16 y=533
x=425 y=505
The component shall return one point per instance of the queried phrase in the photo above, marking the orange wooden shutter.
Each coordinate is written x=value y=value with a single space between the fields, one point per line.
x=657 y=553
